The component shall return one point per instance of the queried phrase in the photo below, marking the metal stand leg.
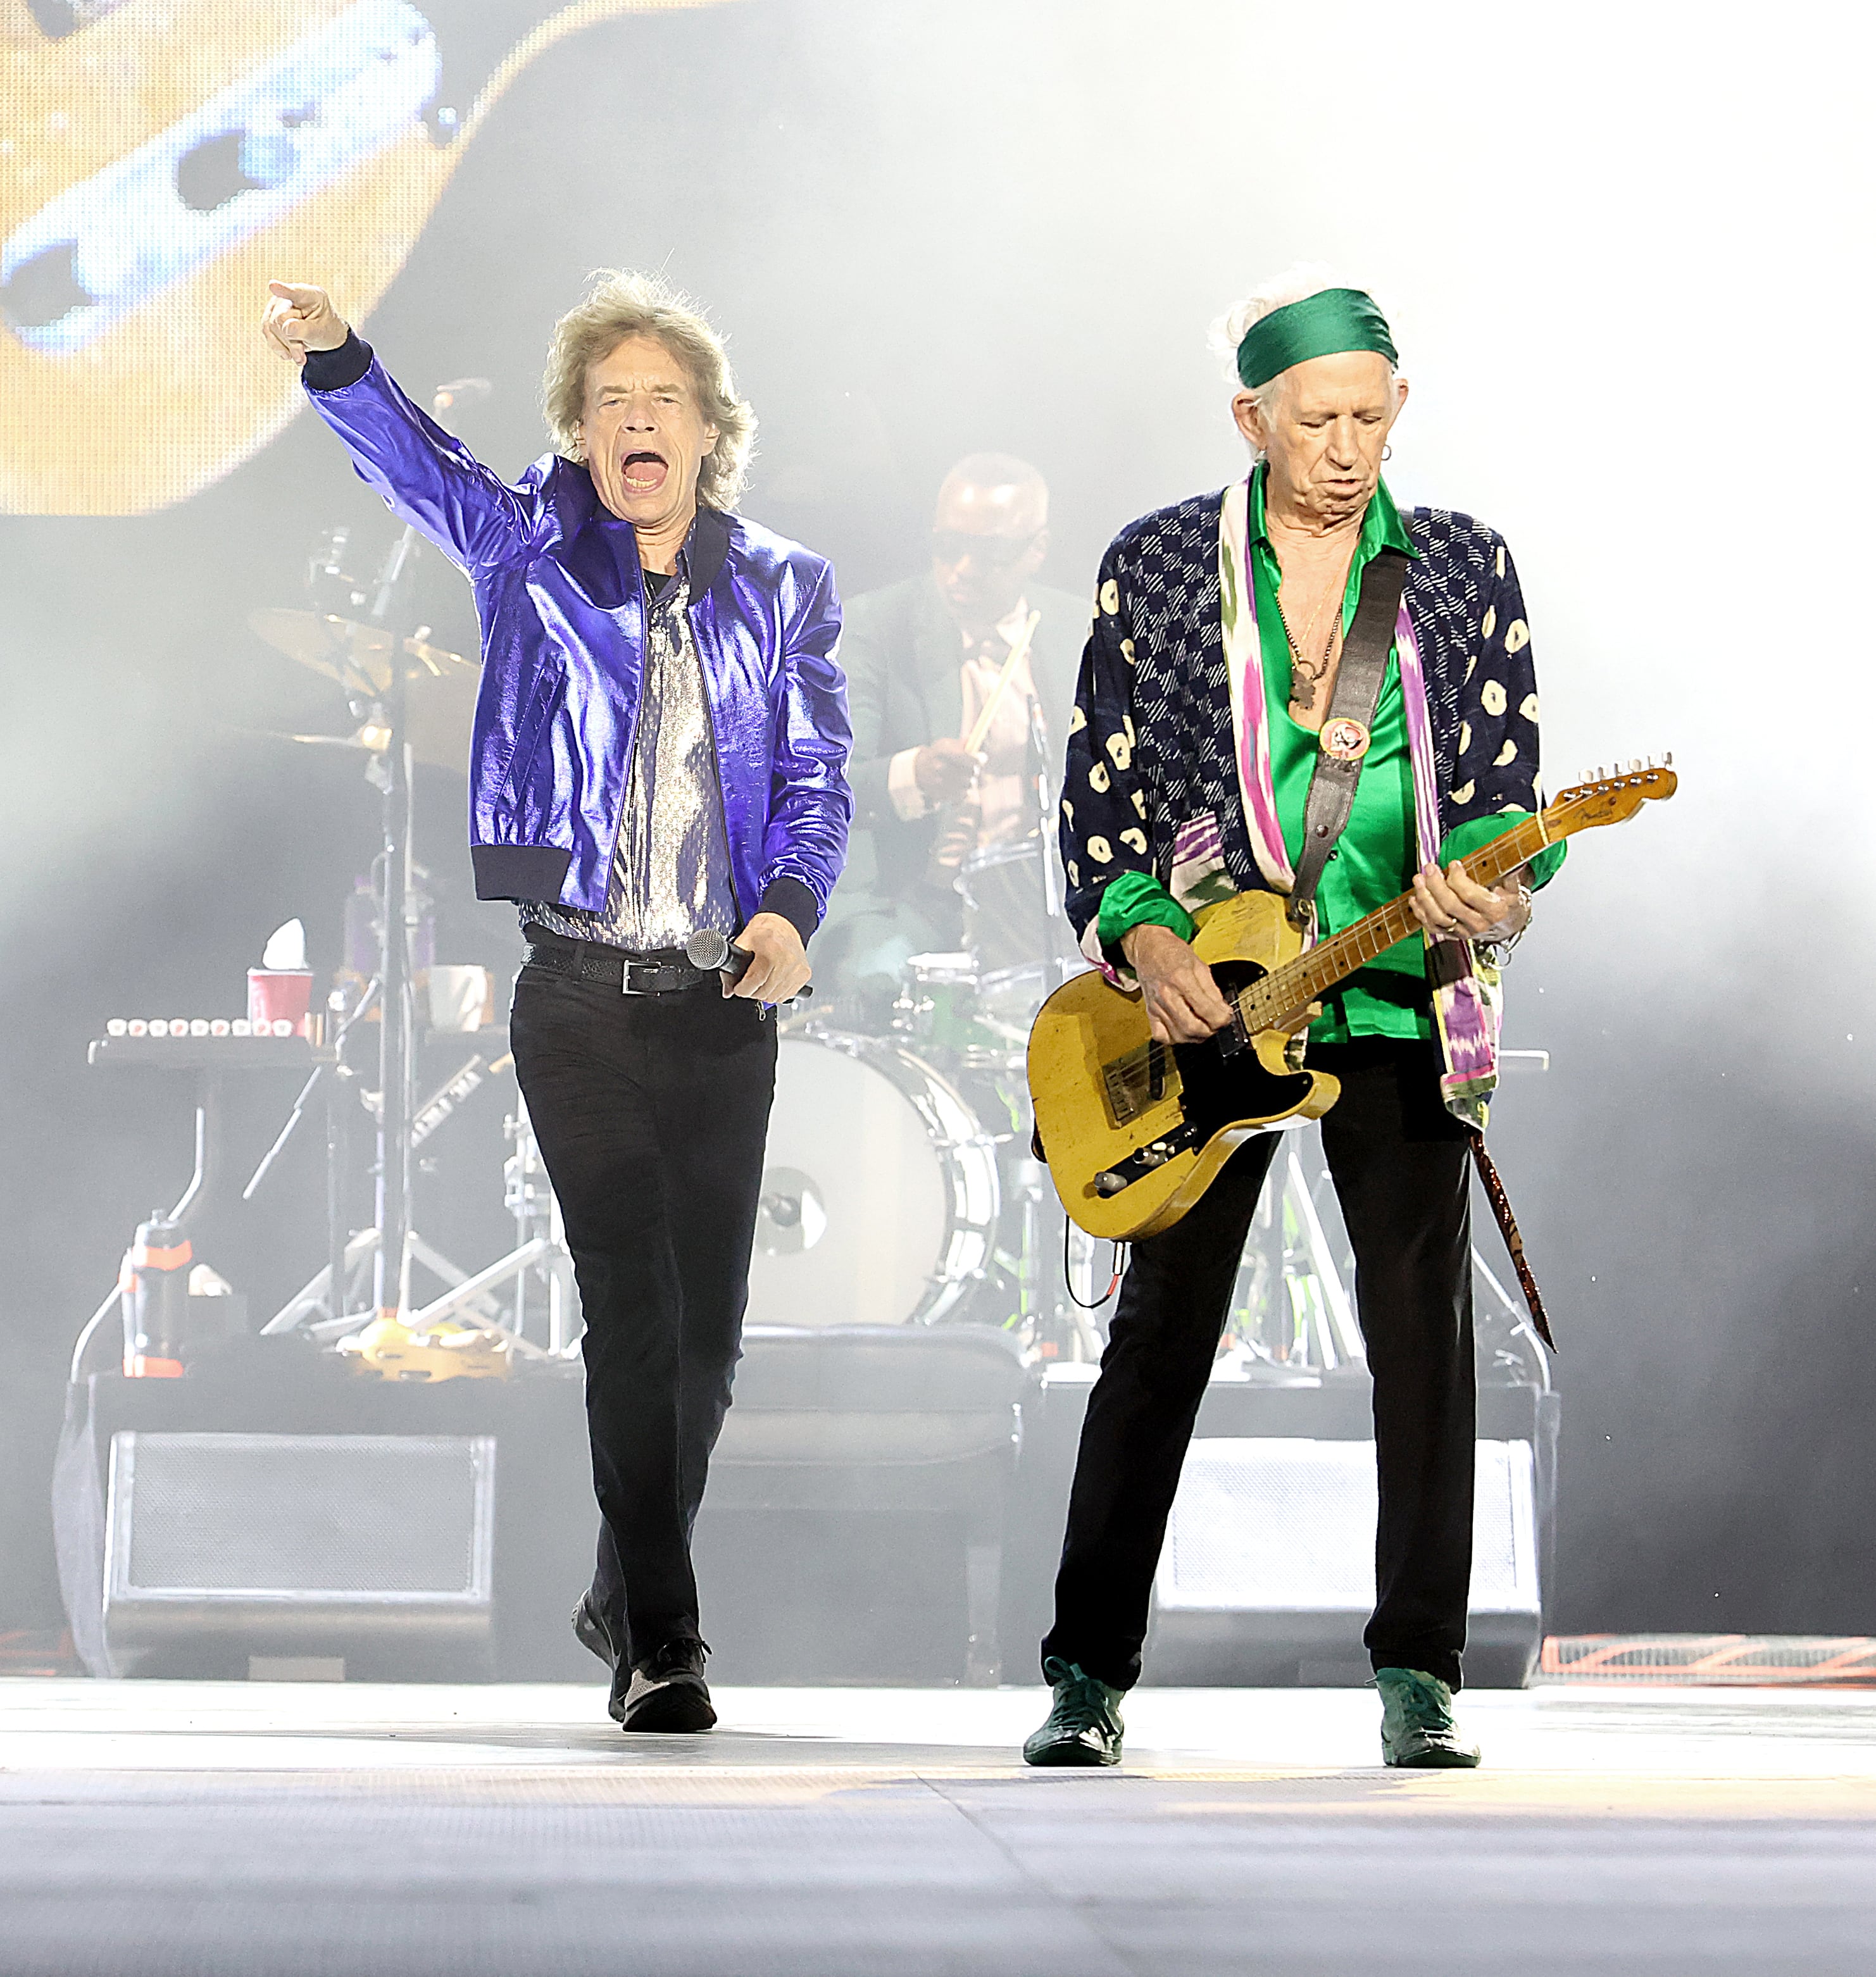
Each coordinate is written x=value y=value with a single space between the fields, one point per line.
x=1338 y=1337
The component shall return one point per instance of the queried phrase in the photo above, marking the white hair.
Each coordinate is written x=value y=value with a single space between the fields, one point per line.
x=1306 y=278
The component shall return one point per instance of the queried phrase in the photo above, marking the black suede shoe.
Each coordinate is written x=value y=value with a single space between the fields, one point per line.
x=665 y=1692
x=591 y=1633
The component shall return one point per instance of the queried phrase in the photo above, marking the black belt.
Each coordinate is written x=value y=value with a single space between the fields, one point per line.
x=663 y=972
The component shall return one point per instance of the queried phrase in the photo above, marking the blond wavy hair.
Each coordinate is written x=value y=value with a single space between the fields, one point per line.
x=623 y=303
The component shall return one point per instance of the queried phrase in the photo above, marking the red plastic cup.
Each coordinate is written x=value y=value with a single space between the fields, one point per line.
x=278 y=995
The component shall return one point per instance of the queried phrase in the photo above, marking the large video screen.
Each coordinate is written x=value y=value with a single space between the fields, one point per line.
x=160 y=160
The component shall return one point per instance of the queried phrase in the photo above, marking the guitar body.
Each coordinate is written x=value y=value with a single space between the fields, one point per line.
x=1109 y=1099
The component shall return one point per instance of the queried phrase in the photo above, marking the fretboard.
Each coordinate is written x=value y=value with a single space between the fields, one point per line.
x=1310 y=976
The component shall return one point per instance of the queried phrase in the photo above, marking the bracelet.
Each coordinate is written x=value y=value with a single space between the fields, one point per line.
x=1500 y=950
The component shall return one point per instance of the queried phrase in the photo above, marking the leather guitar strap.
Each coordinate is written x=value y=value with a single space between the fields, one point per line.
x=1513 y=1242
x=1347 y=726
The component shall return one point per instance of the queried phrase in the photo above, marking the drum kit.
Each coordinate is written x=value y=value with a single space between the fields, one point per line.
x=900 y=1187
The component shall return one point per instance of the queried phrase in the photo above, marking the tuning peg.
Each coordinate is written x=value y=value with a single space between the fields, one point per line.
x=1667 y=760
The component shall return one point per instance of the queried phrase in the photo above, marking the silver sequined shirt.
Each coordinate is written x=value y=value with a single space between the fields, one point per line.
x=671 y=872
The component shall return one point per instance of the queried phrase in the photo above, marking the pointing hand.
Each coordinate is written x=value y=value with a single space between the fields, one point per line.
x=299 y=319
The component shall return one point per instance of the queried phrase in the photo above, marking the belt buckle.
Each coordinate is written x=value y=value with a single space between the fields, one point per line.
x=652 y=975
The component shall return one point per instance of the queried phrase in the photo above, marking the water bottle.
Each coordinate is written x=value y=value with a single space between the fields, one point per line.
x=154 y=1286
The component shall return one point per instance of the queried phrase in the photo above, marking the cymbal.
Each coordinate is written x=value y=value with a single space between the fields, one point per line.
x=367 y=741
x=437 y=727
x=342 y=649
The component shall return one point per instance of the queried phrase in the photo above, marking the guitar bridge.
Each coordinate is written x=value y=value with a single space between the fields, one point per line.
x=1122 y=1107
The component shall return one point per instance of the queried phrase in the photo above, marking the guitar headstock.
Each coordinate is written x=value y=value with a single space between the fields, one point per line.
x=1611 y=796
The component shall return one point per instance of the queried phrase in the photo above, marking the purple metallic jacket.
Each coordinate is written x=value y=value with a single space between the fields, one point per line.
x=561 y=599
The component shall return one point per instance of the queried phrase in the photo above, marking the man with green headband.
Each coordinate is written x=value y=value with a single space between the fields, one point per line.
x=1204 y=708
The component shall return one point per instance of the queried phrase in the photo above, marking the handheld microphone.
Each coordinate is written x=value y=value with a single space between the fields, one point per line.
x=712 y=950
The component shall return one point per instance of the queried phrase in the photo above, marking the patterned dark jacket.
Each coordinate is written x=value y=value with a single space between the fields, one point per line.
x=1150 y=747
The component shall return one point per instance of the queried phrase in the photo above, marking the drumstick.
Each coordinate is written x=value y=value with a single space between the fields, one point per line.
x=981 y=726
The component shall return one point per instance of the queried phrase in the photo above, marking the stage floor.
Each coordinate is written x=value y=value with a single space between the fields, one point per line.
x=183 y=1829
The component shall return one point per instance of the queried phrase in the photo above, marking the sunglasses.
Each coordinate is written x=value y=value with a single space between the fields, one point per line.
x=949 y=546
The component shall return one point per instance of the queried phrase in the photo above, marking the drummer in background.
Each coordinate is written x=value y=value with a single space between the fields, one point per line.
x=922 y=658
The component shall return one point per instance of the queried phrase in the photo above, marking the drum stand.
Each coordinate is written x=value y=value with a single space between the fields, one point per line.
x=1289 y=1307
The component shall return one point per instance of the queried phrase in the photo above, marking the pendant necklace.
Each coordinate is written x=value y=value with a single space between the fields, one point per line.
x=1303 y=678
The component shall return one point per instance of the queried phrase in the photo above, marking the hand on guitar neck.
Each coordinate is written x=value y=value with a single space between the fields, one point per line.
x=1453 y=902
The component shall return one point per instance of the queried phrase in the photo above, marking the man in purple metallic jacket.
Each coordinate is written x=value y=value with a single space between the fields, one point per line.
x=660 y=751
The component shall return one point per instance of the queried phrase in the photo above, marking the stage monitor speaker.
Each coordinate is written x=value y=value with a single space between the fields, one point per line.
x=1268 y=1570
x=377 y=1548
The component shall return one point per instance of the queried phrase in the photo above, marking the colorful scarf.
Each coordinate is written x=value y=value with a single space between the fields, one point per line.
x=1464 y=984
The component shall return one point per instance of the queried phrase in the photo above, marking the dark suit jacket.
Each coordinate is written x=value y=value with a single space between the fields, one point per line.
x=901 y=652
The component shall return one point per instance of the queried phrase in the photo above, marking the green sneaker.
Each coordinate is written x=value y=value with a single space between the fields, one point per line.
x=1417 y=1729
x=1084 y=1725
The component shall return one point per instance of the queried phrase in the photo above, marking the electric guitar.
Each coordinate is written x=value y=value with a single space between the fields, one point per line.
x=1134 y=1131
x=164 y=159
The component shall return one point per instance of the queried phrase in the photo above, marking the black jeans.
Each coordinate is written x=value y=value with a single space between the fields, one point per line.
x=1399 y=1162
x=651 y=1112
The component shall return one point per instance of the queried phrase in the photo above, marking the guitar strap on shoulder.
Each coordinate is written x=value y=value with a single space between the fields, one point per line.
x=1349 y=726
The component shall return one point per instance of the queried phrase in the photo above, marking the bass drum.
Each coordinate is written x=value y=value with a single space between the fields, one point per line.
x=880 y=1195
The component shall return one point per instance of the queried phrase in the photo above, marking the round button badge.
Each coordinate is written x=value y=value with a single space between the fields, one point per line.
x=1345 y=740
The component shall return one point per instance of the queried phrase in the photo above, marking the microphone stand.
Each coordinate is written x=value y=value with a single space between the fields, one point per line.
x=391 y=1269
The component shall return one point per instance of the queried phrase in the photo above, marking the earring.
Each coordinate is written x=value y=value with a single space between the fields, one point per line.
x=1387 y=453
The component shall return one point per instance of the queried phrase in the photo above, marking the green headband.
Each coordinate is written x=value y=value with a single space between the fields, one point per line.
x=1319 y=325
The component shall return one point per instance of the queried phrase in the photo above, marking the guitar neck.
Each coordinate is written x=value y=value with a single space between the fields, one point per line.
x=1310 y=976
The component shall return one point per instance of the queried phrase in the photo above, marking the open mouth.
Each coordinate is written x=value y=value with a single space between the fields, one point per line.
x=646 y=472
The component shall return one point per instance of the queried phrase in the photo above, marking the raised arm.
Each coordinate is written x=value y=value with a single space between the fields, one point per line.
x=431 y=479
